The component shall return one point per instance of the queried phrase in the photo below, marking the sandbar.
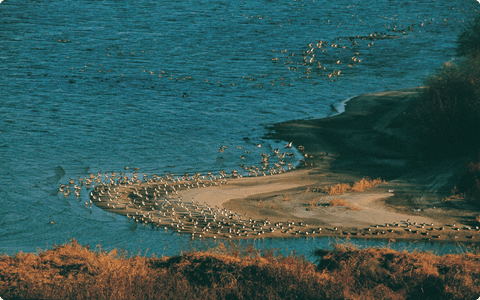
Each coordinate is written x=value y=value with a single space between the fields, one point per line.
x=370 y=139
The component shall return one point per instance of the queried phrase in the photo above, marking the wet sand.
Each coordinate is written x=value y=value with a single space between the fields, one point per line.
x=371 y=139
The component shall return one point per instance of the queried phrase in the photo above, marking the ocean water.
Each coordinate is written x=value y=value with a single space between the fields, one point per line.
x=98 y=86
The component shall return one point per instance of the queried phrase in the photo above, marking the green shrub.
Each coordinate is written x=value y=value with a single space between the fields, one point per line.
x=468 y=43
x=447 y=114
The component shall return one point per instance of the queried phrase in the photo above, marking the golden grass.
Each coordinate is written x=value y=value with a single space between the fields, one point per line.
x=338 y=202
x=358 y=186
x=364 y=184
x=74 y=272
x=340 y=188
x=387 y=274
x=341 y=202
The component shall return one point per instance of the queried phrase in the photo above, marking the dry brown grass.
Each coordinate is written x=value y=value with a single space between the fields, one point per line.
x=338 y=202
x=340 y=188
x=74 y=272
x=358 y=186
x=272 y=206
x=341 y=202
x=261 y=204
x=455 y=195
x=287 y=198
x=477 y=219
x=364 y=184
x=387 y=274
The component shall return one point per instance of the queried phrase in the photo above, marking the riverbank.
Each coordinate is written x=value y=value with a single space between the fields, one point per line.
x=370 y=140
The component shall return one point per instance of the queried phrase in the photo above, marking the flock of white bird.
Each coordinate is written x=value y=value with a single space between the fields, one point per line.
x=156 y=201
x=317 y=60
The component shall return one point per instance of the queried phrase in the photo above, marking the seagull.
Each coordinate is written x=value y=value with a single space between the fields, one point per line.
x=289 y=145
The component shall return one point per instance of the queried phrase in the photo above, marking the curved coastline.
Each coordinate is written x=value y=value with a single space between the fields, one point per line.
x=369 y=140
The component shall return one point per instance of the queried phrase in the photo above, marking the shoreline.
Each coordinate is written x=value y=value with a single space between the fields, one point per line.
x=368 y=140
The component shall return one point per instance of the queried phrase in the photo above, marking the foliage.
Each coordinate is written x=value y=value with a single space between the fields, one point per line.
x=358 y=186
x=447 y=113
x=468 y=42
x=341 y=202
x=388 y=274
x=74 y=272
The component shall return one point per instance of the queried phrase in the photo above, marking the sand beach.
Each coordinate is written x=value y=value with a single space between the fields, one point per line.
x=371 y=139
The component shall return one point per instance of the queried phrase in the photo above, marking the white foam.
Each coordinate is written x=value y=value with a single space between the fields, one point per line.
x=339 y=107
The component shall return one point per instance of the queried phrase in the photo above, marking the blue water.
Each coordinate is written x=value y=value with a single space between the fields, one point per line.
x=97 y=86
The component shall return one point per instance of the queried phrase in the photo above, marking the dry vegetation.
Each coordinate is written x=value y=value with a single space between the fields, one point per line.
x=261 y=204
x=341 y=202
x=388 y=274
x=74 y=272
x=358 y=186
x=340 y=188
x=364 y=184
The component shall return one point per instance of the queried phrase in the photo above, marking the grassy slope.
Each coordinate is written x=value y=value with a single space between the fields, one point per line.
x=74 y=272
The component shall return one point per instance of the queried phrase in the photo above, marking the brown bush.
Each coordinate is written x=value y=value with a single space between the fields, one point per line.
x=364 y=184
x=358 y=186
x=340 y=188
x=341 y=202
x=338 y=202
x=388 y=274
x=74 y=272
